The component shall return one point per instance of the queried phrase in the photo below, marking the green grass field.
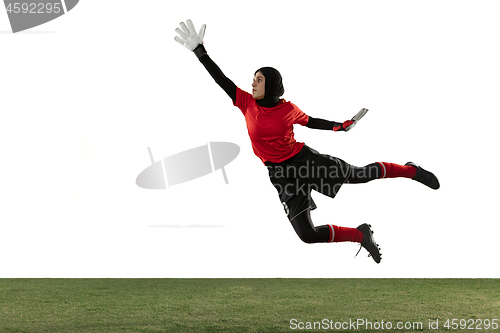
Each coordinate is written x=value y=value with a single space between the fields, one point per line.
x=247 y=305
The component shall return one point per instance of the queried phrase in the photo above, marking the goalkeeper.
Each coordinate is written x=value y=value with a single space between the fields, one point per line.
x=294 y=168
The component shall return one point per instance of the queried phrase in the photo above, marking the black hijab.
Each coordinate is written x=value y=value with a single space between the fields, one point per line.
x=274 y=87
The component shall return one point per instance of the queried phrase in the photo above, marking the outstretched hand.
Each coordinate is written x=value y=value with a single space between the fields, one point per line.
x=349 y=124
x=188 y=36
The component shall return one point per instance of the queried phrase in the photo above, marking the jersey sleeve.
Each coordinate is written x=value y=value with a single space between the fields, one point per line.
x=322 y=124
x=242 y=100
x=300 y=117
x=226 y=84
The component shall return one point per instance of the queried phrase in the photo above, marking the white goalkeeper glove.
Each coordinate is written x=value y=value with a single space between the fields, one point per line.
x=355 y=119
x=188 y=36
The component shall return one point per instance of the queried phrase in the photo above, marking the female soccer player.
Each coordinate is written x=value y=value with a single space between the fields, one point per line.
x=294 y=168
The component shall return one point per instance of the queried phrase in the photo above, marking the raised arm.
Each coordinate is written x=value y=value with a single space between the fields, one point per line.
x=347 y=125
x=194 y=42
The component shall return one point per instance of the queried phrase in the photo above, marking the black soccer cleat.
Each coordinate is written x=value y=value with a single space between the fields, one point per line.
x=425 y=177
x=369 y=242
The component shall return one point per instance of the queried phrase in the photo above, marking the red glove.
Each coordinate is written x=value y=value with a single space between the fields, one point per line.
x=344 y=126
x=349 y=124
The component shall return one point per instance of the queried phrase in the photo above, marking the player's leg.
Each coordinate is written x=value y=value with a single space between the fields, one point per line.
x=381 y=170
x=326 y=173
x=308 y=233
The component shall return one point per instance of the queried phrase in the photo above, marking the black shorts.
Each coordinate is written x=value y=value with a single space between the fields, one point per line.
x=295 y=178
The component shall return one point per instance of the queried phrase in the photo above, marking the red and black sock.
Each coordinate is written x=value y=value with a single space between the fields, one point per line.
x=328 y=233
x=392 y=170
x=344 y=234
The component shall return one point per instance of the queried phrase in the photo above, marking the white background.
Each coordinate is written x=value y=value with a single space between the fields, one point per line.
x=83 y=96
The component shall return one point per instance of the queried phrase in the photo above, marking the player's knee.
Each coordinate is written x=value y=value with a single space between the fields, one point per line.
x=308 y=238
